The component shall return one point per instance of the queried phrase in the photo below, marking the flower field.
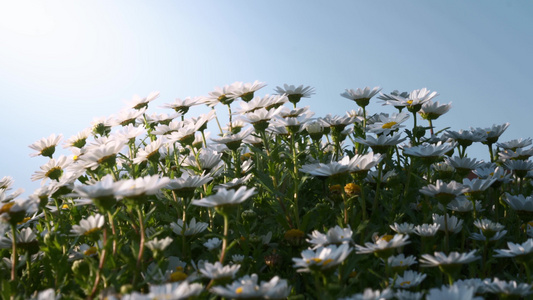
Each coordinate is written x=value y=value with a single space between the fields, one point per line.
x=276 y=204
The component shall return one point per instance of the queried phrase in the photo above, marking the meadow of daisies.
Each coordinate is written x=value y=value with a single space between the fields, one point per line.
x=276 y=204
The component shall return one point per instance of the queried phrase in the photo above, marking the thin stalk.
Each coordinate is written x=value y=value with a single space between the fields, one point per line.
x=225 y=239
x=296 y=182
x=363 y=201
x=218 y=123
x=364 y=122
x=345 y=209
x=230 y=119
x=14 y=253
x=447 y=233
x=378 y=189
x=528 y=272
x=491 y=153
x=100 y=266
x=406 y=189
x=113 y=231
x=141 y=246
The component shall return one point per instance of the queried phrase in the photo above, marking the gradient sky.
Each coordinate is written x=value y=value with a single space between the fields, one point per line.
x=63 y=63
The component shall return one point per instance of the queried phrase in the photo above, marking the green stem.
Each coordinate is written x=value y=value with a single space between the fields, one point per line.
x=363 y=201
x=225 y=239
x=230 y=119
x=218 y=123
x=406 y=189
x=528 y=272
x=378 y=189
x=100 y=266
x=14 y=253
x=141 y=246
x=447 y=233
x=491 y=153
x=296 y=181
x=113 y=231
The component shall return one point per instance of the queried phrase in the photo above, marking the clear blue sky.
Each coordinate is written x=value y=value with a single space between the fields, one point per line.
x=63 y=63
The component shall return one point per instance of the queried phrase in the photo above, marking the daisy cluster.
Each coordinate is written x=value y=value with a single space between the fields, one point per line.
x=278 y=203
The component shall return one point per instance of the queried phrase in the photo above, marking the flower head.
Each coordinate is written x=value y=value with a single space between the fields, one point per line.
x=217 y=271
x=454 y=258
x=188 y=230
x=226 y=197
x=361 y=96
x=247 y=287
x=295 y=93
x=408 y=280
x=89 y=225
x=322 y=259
x=335 y=235
x=46 y=146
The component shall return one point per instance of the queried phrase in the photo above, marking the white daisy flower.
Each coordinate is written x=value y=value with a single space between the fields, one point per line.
x=508 y=288
x=361 y=96
x=89 y=225
x=225 y=197
x=139 y=103
x=245 y=90
x=213 y=244
x=401 y=261
x=175 y=290
x=335 y=235
x=516 y=250
x=53 y=169
x=515 y=144
x=370 y=294
x=454 y=258
x=217 y=272
x=46 y=146
x=408 y=280
x=453 y=292
x=182 y=106
x=295 y=93
x=433 y=110
x=188 y=230
x=147 y=185
x=404 y=228
x=383 y=246
x=427 y=230
x=159 y=245
x=386 y=124
x=455 y=225
x=322 y=258
x=247 y=287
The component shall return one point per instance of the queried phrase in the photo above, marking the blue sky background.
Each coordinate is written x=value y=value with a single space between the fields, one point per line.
x=63 y=63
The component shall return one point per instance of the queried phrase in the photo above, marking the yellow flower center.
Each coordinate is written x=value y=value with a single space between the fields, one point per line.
x=317 y=261
x=335 y=188
x=294 y=233
x=178 y=276
x=7 y=207
x=65 y=206
x=388 y=125
x=90 y=251
x=409 y=102
x=24 y=221
x=238 y=290
x=387 y=237
x=75 y=158
x=405 y=283
x=91 y=231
